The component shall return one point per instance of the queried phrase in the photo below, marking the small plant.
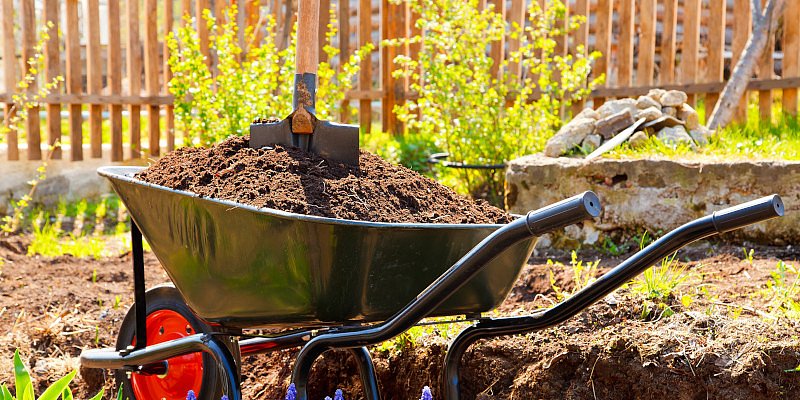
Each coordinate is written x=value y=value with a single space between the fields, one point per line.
x=748 y=255
x=473 y=114
x=613 y=249
x=249 y=83
x=783 y=291
x=582 y=275
x=659 y=284
x=24 y=385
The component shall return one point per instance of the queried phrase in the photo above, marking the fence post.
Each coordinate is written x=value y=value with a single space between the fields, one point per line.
x=392 y=28
x=765 y=71
x=115 y=79
x=516 y=16
x=625 y=45
x=74 y=84
x=365 y=74
x=94 y=74
x=691 y=44
x=32 y=126
x=791 y=54
x=134 y=52
x=52 y=68
x=169 y=24
x=10 y=68
x=741 y=32
x=668 y=43
x=603 y=42
x=715 y=67
x=344 y=50
x=151 y=75
x=647 y=42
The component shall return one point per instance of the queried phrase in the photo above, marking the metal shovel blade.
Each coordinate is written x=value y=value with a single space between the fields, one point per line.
x=332 y=141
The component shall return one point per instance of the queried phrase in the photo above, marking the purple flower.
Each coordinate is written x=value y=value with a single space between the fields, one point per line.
x=426 y=394
x=291 y=394
x=328 y=398
x=338 y=395
x=191 y=395
x=224 y=397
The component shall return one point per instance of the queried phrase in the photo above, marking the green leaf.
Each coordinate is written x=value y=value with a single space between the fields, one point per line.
x=98 y=396
x=57 y=388
x=5 y=394
x=119 y=392
x=22 y=379
x=67 y=394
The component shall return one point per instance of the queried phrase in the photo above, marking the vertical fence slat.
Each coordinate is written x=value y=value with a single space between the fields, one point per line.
x=219 y=11
x=186 y=8
x=52 y=69
x=151 y=75
x=324 y=21
x=115 y=79
x=74 y=77
x=392 y=28
x=365 y=74
x=498 y=47
x=791 y=54
x=690 y=49
x=715 y=67
x=202 y=28
x=647 y=42
x=625 y=45
x=94 y=75
x=134 y=54
x=344 y=50
x=10 y=69
x=741 y=32
x=169 y=24
x=765 y=71
x=516 y=18
x=580 y=37
x=603 y=41
x=32 y=125
x=668 y=42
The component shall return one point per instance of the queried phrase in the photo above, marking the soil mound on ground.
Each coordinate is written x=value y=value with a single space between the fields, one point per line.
x=293 y=180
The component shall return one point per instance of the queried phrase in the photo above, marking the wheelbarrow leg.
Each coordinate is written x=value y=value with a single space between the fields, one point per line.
x=140 y=304
x=366 y=370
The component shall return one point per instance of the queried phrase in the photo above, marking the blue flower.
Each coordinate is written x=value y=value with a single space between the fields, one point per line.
x=328 y=398
x=291 y=394
x=338 y=395
x=224 y=397
x=426 y=394
x=191 y=395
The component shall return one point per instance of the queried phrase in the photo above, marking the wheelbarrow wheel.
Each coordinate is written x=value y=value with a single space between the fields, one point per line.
x=169 y=318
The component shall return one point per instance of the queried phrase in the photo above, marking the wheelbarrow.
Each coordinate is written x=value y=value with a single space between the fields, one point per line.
x=330 y=283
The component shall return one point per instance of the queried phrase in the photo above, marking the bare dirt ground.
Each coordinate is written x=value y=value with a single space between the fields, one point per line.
x=720 y=344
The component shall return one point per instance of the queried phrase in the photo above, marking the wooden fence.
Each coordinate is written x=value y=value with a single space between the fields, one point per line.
x=684 y=44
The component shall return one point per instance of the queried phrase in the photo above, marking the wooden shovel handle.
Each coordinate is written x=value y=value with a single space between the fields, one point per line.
x=307 y=56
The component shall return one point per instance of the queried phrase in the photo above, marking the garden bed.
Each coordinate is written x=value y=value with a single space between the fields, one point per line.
x=720 y=344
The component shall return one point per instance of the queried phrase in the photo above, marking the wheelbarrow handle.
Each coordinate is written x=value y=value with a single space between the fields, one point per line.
x=736 y=217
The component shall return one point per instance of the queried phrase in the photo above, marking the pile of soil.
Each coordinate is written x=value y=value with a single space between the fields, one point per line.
x=718 y=347
x=293 y=180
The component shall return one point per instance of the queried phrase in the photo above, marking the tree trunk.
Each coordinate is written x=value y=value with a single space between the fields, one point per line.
x=763 y=24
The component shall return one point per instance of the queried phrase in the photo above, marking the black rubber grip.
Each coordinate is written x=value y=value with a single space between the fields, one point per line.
x=748 y=213
x=566 y=212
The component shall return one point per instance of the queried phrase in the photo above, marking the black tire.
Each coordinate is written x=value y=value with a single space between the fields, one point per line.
x=166 y=297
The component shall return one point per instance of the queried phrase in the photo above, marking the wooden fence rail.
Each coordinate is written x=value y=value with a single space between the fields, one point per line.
x=113 y=57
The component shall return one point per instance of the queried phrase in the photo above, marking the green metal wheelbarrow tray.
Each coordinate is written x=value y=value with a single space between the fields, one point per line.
x=332 y=283
x=245 y=267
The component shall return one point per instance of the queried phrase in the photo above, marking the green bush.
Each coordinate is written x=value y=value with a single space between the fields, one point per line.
x=210 y=106
x=476 y=117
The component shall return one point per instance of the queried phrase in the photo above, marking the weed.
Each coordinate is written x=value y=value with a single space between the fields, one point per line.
x=748 y=255
x=428 y=327
x=117 y=302
x=23 y=385
x=608 y=246
x=582 y=275
x=783 y=291
x=658 y=285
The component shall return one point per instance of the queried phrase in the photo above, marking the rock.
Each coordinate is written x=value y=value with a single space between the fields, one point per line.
x=638 y=139
x=613 y=124
x=645 y=102
x=671 y=111
x=591 y=142
x=569 y=136
x=673 y=98
x=674 y=135
x=588 y=112
x=612 y=107
x=689 y=116
x=650 y=113
x=656 y=94
x=701 y=135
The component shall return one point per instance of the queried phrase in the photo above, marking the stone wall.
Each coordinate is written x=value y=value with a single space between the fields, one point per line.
x=658 y=194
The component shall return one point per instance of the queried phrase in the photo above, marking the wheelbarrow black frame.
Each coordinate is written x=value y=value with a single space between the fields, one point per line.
x=314 y=342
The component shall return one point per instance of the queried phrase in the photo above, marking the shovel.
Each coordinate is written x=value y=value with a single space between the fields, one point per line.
x=332 y=141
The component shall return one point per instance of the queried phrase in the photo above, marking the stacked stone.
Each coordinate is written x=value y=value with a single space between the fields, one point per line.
x=590 y=128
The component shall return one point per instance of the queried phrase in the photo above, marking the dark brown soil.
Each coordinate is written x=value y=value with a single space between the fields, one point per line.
x=289 y=179
x=720 y=346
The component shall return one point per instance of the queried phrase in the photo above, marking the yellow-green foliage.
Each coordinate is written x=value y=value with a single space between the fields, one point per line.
x=249 y=83
x=477 y=117
x=783 y=291
x=582 y=275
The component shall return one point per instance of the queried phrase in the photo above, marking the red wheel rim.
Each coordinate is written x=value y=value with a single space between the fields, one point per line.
x=183 y=373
